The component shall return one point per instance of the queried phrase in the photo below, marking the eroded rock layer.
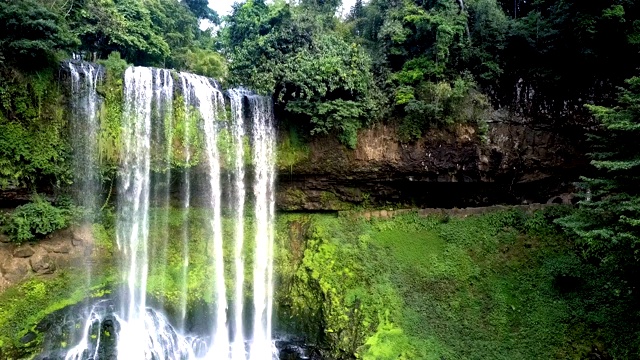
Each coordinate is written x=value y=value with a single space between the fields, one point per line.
x=512 y=163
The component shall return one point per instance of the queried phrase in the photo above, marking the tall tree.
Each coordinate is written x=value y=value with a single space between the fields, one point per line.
x=201 y=9
x=607 y=224
x=326 y=6
x=31 y=32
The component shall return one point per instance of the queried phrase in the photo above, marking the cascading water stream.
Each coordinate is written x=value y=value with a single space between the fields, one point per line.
x=84 y=123
x=162 y=137
x=84 y=126
x=210 y=104
x=237 y=129
x=87 y=349
x=186 y=197
x=263 y=160
x=133 y=204
x=154 y=142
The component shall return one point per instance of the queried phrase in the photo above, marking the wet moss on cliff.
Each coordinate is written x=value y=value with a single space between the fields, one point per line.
x=34 y=148
x=433 y=287
x=291 y=150
x=24 y=307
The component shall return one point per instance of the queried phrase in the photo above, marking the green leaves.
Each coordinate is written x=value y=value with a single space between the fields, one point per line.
x=125 y=26
x=200 y=8
x=37 y=218
x=428 y=104
x=33 y=145
x=31 y=33
x=607 y=223
x=315 y=74
x=206 y=62
x=154 y=32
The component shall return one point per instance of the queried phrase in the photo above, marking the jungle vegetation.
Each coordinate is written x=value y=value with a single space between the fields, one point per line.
x=413 y=64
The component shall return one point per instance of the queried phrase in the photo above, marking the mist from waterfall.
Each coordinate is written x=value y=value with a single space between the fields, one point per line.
x=165 y=163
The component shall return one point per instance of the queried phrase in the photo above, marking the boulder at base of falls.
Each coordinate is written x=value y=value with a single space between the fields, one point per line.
x=81 y=235
x=57 y=245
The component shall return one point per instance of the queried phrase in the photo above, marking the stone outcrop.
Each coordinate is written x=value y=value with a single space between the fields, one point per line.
x=512 y=163
x=60 y=250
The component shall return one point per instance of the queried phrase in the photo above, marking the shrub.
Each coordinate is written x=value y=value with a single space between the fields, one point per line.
x=39 y=217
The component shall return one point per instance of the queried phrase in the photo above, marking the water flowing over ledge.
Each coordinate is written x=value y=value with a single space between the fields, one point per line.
x=182 y=121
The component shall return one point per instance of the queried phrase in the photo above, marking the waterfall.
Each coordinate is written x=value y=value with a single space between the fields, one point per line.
x=162 y=137
x=86 y=348
x=133 y=208
x=84 y=126
x=185 y=198
x=263 y=187
x=210 y=103
x=236 y=98
x=203 y=139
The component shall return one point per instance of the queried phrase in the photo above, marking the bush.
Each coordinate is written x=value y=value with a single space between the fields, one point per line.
x=39 y=217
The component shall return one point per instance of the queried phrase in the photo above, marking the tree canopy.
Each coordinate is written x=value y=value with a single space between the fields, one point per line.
x=152 y=32
x=31 y=33
x=317 y=75
x=414 y=63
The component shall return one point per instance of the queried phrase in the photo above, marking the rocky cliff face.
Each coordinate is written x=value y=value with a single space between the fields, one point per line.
x=512 y=163
x=61 y=250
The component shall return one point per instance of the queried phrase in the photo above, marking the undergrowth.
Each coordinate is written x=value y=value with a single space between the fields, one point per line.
x=36 y=219
x=34 y=149
x=504 y=285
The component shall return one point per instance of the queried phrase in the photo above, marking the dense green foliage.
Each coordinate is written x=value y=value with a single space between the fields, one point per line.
x=200 y=8
x=416 y=64
x=34 y=147
x=502 y=285
x=318 y=77
x=606 y=224
x=436 y=55
x=155 y=32
x=31 y=33
x=549 y=38
x=422 y=64
x=36 y=219
x=491 y=287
